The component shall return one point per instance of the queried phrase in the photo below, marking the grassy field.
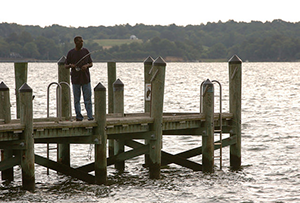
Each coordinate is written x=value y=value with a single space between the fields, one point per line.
x=108 y=43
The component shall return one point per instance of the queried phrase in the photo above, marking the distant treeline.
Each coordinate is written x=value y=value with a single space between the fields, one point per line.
x=255 y=41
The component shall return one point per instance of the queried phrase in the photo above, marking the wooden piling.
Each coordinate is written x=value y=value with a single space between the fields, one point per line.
x=100 y=136
x=208 y=133
x=21 y=69
x=5 y=113
x=157 y=100
x=147 y=92
x=5 y=117
x=118 y=89
x=27 y=155
x=147 y=84
x=112 y=76
x=63 y=150
x=235 y=107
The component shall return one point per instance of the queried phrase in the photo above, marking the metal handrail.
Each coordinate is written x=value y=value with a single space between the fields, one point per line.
x=59 y=98
x=220 y=120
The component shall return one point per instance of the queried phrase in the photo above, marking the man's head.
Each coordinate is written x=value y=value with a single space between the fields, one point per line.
x=78 y=42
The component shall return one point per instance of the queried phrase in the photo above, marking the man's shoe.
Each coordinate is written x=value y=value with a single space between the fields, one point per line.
x=78 y=119
x=91 y=119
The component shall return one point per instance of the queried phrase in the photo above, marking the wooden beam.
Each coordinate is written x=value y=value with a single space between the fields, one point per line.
x=16 y=144
x=75 y=173
x=198 y=150
x=167 y=156
x=181 y=161
x=70 y=140
x=9 y=163
x=132 y=153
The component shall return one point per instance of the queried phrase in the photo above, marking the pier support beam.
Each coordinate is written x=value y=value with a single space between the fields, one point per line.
x=235 y=97
x=63 y=150
x=157 y=100
x=112 y=76
x=208 y=134
x=27 y=155
x=100 y=136
x=147 y=91
x=21 y=69
x=5 y=117
x=118 y=89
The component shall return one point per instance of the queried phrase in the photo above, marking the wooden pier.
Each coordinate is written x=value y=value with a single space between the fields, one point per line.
x=113 y=131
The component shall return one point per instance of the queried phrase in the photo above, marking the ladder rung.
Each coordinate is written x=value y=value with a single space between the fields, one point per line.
x=218 y=143
x=52 y=148
x=217 y=131
x=218 y=157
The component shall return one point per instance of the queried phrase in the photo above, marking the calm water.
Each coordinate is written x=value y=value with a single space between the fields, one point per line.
x=270 y=138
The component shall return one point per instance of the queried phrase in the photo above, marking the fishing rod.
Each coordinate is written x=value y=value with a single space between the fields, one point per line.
x=77 y=68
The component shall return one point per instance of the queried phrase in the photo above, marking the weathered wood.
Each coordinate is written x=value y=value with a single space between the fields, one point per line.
x=9 y=163
x=111 y=78
x=167 y=156
x=62 y=168
x=147 y=84
x=21 y=69
x=100 y=135
x=157 y=100
x=235 y=107
x=208 y=134
x=147 y=94
x=63 y=150
x=5 y=113
x=26 y=117
x=118 y=90
x=5 y=117
x=198 y=150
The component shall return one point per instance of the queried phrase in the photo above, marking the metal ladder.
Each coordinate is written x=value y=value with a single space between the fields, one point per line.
x=220 y=118
x=58 y=109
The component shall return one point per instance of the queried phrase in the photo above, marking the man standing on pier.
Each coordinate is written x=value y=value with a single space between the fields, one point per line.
x=79 y=60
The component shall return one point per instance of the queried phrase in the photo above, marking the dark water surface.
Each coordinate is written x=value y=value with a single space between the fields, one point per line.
x=270 y=139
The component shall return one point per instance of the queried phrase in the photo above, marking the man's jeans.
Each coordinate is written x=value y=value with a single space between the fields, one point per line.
x=87 y=97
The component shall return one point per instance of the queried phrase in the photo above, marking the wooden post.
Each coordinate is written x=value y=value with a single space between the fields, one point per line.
x=63 y=150
x=147 y=88
x=5 y=113
x=147 y=77
x=208 y=134
x=27 y=155
x=100 y=134
x=235 y=107
x=118 y=88
x=157 y=100
x=5 y=117
x=20 y=78
x=112 y=76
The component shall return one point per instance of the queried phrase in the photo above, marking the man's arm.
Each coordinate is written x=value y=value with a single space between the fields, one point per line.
x=67 y=66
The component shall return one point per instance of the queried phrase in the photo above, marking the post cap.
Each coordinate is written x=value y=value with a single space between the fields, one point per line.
x=25 y=88
x=148 y=61
x=3 y=87
x=118 y=85
x=235 y=59
x=209 y=86
x=62 y=60
x=207 y=82
x=160 y=62
x=99 y=87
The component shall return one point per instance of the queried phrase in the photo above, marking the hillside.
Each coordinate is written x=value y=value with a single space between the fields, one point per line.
x=255 y=41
